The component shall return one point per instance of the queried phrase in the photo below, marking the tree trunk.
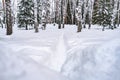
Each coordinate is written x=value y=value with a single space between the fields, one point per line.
x=36 y=27
x=90 y=22
x=62 y=13
x=26 y=27
x=103 y=29
x=59 y=25
x=89 y=26
x=79 y=26
x=8 y=17
x=118 y=15
x=44 y=26
x=35 y=15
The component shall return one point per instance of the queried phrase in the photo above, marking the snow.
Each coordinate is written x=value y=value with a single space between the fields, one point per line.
x=15 y=66
x=55 y=54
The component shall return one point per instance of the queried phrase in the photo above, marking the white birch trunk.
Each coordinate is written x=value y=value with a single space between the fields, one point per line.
x=114 y=13
x=91 y=4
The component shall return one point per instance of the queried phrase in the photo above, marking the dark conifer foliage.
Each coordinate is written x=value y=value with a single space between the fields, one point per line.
x=26 y=13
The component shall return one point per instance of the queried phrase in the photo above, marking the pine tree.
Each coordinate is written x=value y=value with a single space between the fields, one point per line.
x=102 y=13
x=26 y=13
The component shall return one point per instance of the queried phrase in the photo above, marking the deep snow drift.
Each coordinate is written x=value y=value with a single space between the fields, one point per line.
x=14 y=66
x=60 y=54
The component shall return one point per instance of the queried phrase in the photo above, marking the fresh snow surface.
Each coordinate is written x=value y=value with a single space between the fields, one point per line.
x=54 y=54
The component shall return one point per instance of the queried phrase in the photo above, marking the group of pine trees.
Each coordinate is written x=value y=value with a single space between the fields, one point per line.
x=80 y=12
x=107 y=13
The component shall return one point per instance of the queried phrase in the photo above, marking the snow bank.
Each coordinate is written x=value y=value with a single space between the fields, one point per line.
x=17 y=67
x=96 y=62
x=79 y=56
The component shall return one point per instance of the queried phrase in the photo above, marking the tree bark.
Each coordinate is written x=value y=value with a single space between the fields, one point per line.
x=26 y=27
x=79 y=26
x=8 y=17
x=35 y=15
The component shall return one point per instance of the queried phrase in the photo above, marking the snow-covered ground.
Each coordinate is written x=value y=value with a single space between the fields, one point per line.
x=54 y=54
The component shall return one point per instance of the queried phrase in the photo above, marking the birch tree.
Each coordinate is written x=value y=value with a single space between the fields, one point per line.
x=114 y=12
x=39 y=11
x=45 y=13
x=90 y=12
x=118 y=13
x=79 y=15
x=1 y=15
x=35 y=15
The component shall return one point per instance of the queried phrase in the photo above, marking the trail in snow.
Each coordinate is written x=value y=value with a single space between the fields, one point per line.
x=92 y=54
x=59 y=55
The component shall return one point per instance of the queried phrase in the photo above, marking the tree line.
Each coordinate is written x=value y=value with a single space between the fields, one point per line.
x=78 y=12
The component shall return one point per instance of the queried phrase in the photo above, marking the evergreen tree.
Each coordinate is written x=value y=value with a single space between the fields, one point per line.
x=26 y=13
x=102 y=13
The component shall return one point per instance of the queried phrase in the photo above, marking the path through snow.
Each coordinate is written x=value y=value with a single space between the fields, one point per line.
x=92 y=55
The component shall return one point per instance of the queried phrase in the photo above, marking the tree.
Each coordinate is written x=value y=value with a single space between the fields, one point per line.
x=26 y=13
x=114 y=5
x=3 y=4
x=90 y=12
x=1 y=15
x=68 y=14
x=45 y=13
x=39 y=10
x=79 y=15
x=118 y=14
x=8 y=17
x=36 y=15
x=62 y=13
x=102 y=13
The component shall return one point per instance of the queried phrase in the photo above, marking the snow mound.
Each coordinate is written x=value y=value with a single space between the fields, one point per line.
x=96 y=62
x=15 y=67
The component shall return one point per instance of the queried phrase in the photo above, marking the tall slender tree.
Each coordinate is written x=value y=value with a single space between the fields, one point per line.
x=114 y=4
x=68 y=14
x=45 y=13
x=39 y=11
x=35 y=15
x=8 y=17
x=79 y=15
